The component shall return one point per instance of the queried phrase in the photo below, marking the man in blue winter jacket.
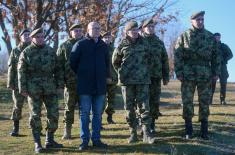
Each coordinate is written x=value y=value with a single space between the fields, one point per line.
x=89 y=59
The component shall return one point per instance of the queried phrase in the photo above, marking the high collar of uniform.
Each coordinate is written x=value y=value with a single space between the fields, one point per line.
x=197 y=30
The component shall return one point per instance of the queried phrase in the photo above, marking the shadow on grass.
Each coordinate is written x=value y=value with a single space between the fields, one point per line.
x=4 y=118
x=115 y=129
x=115 y=136
x=161 y=147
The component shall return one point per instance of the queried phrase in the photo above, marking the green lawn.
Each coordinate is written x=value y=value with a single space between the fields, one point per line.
x=170 y=128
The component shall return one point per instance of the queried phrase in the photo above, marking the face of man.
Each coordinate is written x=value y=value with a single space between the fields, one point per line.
x=217 y=38
x=93 y=30
x=133 y=33
x=198 y=22
x=76 y=33
x=25 y=37
x=107 y=39
x=149 y=29
x=38 y=39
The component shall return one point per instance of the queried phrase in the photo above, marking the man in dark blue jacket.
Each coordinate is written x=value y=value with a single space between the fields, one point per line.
x=90 y=61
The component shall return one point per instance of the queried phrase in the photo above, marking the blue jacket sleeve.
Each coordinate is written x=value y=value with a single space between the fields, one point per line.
x=107 y=62
x=75 y=56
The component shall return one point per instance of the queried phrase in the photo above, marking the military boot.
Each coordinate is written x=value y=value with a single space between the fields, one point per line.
x=15 y=130
x=133 y=137
x=147 y=136
x=204 y=130
x=67 y=131
x=50 y=143
x=222 y=100
x=152 y=127
x=37 y=143
x=110 y=119
x=188 y=129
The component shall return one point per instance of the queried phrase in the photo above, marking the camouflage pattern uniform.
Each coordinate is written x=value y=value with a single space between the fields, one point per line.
x=67 y=79
x=225 y=55
x=130 y=60
x=159 y=69
x=111 y=88
x=12 y=82
x=36 y=69
x=196 y=61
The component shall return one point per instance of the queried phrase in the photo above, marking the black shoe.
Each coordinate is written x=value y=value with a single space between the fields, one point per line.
x=53 y=144
x=223 y=102
x=153 y=132
x=204 y=130
x=83 y=146
x=99 y=144
x=50 y=143
x=149 y=138
x=14 y=134
x=187 y=137
x=110 y=119
x=133 y=138
x=38 y=148
x=37 y=143
x=160 y=114
x=15 y=130
x=188 y=129
x=204 y=137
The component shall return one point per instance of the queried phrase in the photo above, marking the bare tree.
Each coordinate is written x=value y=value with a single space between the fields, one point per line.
x=57 y=15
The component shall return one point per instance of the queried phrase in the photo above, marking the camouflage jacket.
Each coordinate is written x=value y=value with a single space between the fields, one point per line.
x=12 y=81
x=196 y=56
x=159 y=64
x=130 y=60
x=225 y=54
x=113 y=73
x=36 y=70
x=65 y=74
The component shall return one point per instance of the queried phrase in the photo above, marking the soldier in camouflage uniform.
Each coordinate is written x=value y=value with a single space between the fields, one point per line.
x=112 y=85
x=12 y=83
x=67 y=78
x=159 y=68
x=225 y=54
x=196 y=63
x=130 y=60
x=36 y=80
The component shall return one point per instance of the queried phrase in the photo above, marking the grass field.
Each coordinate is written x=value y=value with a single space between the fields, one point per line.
x=170 y=128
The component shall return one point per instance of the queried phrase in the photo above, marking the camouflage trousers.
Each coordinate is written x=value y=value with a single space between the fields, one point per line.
x=136 y=95
x=70 y=99
x=51 y=104
x=110 y=96
x=223 y=85
x=154 y=99
x=213 y=86
x=204 y=94
x=18 y=100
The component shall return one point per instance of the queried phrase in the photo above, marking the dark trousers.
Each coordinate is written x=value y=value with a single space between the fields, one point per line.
x=223 y=85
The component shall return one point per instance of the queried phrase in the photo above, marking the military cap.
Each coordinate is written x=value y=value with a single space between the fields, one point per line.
x=217 y=34
x=75 y=26
x=23 y=31
x=195 y=15
x=147 y=22
x=105 y=33
x=130 y=25
x=36 y=31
